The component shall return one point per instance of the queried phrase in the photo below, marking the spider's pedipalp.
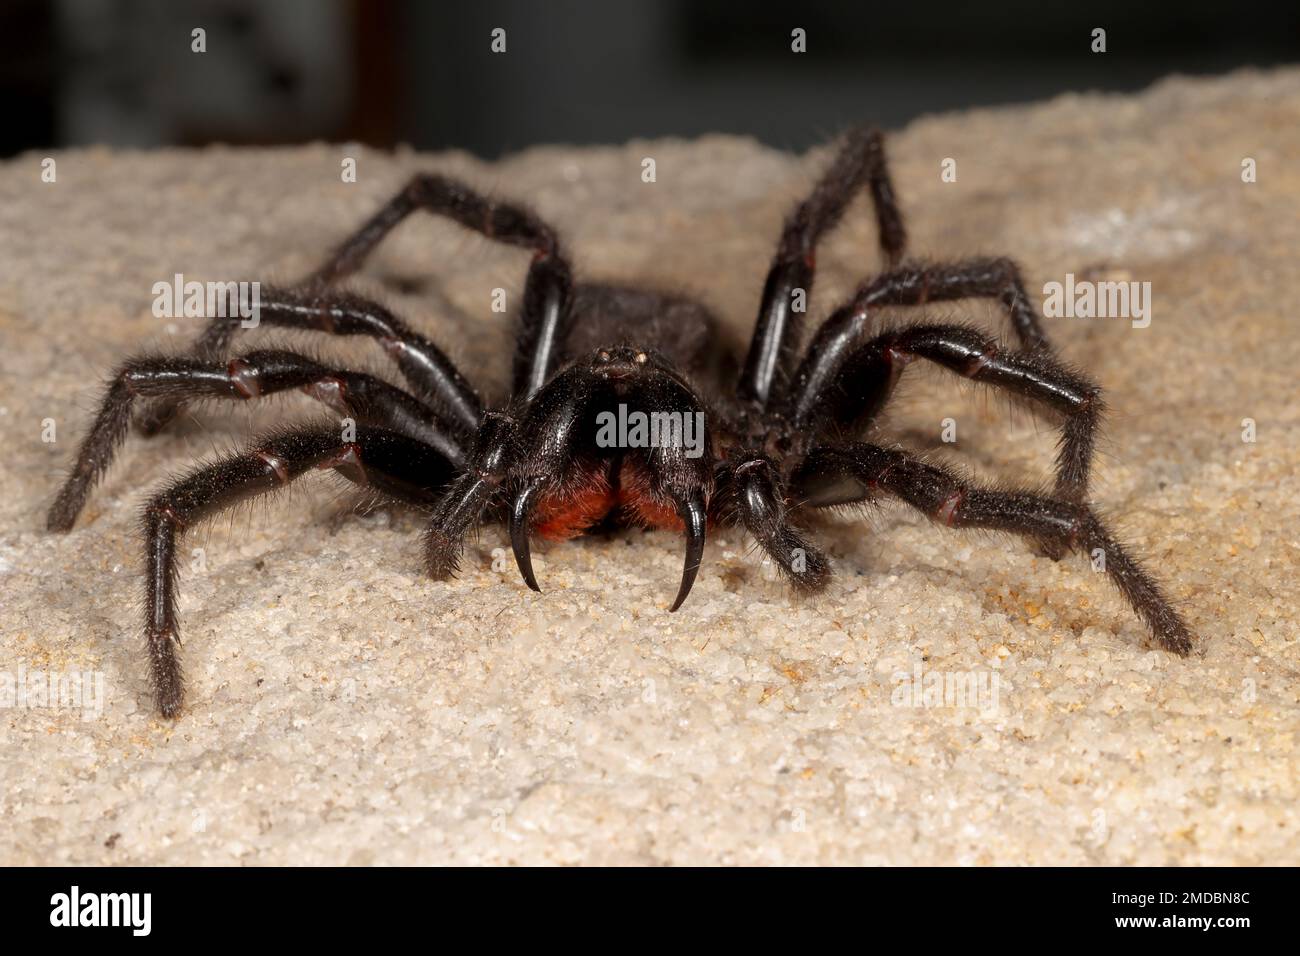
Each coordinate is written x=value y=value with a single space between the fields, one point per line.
x=462 y=504
x=759 y=499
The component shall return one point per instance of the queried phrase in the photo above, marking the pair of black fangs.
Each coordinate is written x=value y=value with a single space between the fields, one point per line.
x=692 y=511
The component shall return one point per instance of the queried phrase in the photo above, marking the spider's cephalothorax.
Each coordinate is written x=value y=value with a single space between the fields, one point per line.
x=607 y=420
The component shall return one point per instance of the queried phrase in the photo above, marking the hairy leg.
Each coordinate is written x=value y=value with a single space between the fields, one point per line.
x=254 y=375
x=860 y=472
x=389 y=463
x=916 y=284
x=548 y=290
x=440 y=196
x=425 y=366
x=865 y=378
x=860 y=162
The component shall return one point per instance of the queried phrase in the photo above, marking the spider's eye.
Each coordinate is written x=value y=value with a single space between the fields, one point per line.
x=641 y=358
x=604 y=356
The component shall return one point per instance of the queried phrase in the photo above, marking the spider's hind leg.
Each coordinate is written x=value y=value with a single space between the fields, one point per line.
x=832 y=476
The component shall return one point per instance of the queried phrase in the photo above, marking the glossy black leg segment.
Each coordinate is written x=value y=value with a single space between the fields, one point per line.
x=254 y=375
x=428 y=370
x=980 y=278
x=440 y=196
x=759 y=500
x=544 y=323
x=548 y=290
x=416 y=473
x=865 y=378
x=860 y=472
x=844 y=330
x=772 y=351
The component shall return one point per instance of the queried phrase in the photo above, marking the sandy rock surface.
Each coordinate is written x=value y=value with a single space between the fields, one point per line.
x=343 y=708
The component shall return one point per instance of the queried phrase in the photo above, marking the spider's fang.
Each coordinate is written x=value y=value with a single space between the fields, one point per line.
x=521 y=510
x=693 y=516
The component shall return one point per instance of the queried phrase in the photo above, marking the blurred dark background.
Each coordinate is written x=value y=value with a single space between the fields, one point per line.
x=122 y=72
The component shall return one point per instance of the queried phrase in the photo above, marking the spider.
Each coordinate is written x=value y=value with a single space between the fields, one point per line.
x=782 y=433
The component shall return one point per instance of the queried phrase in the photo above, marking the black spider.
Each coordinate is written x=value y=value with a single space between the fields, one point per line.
x=783 y=439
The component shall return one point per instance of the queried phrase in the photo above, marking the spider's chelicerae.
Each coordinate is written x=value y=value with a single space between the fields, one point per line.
x=782 y=438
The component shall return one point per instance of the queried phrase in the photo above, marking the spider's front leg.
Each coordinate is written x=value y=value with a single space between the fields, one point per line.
x=772 y=351
x=844 y=330
x=389 y=463
x=548 y=288
x=438 y=195
x=833 y=476
x=313 y=305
